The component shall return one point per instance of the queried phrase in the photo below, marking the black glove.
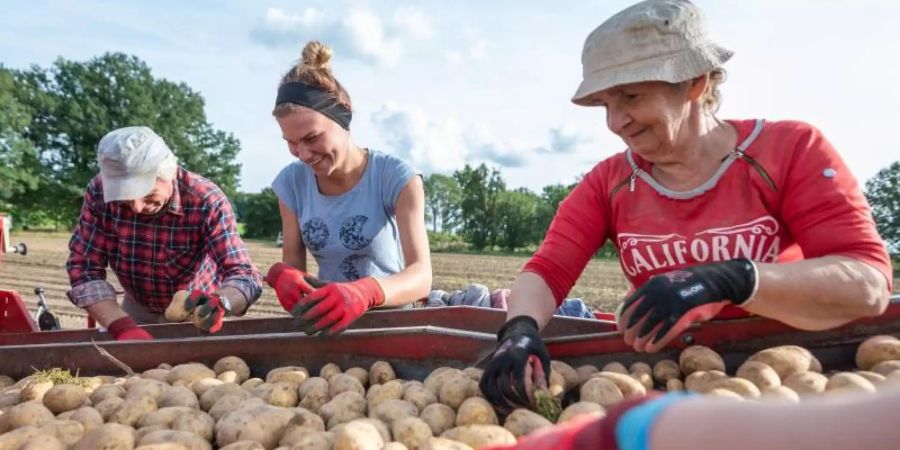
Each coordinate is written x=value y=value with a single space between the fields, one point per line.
x=669 y=303
x=503 y=382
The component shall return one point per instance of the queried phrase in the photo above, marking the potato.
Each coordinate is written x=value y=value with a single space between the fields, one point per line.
x=413 y=432
x=847 y=381
x=162 y=416
x=615 y=367
x=44 y=442
x=328 y=370
x=146 y=388
x=88 y=417
x=313 y=393
x=279 y=393
x=358 y=436
x=437 y=443
x=787 y=360
x=877 y=349
x=602 y=391
x=156 y=374
x=640 y=367
x=381 y=372
x=303 y=423
x=696 y=380
x=6 y=381
x=28 y=414
x=141 y=432
x=674 y=385
x=343 y=407
x=419 y=396
x=874 y=378
x=64 y=397
x=389 y=411
x=68 y=432
x=760 y=374
x=395 y=446
x=295 y=375
x=244 y=445
x=475 y=373
x=11 y=397
x=110 y=436
x=35 y=390
x=235 y=364
x=319 y=440
x=644 y=378
x=390 y=390
x=343 y=382
x=131 y=410
x=382 y=428
x=628 y=385
x=780 y=394
x=107 y=391
x=476 y=410
x=556 y=387
x=579 y=408
x=584 y=372
x=263 y=423
x=439 y=417
x=189 y=441
x=438 y=377
x=478 y=436
x=724 y=393
x=740 y=386
x=195 y=421
x=200 y=387
x=456 y=390
x=233 y=402
x=213 y=394
x=176 y=311
x=228 y=376
x=566 y=371
x=16 y=438
x=806 y=383
x=178 y=396
x=107 y=407
x=189 y=373
x=697 y=357
x=252 y=383
x=522 y=421
x=886 y=367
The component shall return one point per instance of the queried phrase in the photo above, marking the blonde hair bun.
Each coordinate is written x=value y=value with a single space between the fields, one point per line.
x=317 y=55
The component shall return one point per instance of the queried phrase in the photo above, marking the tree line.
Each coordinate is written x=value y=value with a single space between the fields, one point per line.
x=51 y=119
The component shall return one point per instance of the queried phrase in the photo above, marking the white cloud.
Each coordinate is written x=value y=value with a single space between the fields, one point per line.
x=358 y=34
x=476 y=49
x=565 y=139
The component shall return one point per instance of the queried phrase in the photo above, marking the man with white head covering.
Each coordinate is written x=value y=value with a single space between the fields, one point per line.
x=161 y=229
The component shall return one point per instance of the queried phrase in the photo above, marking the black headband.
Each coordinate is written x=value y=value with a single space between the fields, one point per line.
x=315 y=98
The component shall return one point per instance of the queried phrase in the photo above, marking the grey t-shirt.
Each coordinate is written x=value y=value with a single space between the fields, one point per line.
x=352 y=235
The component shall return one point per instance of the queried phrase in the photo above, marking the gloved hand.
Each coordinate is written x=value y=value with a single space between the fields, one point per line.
x=332 y=308
x=126 y=329
x=509 y=377
x=290 y=284
x=208 y=310
x=669 y=303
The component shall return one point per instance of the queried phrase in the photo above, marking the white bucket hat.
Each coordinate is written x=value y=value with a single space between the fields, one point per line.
x=129 y=160
x=655 y=40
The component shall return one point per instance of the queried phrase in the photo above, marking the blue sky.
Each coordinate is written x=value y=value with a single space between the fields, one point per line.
x=445 y=83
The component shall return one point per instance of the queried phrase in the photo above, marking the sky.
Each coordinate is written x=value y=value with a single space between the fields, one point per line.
x=443 y=84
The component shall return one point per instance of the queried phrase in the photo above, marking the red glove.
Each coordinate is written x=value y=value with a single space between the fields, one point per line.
x=208 y=310
x=290 y=284
x=583 y=432
x=126 y=329
x=332 y=308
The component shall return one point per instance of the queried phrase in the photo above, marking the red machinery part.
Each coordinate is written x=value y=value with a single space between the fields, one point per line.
x=14 y=317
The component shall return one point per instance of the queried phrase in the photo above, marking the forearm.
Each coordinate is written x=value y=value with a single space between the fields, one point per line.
x=846 y=422
x=819 y=293
x=239 y=301
x=531 y=296
x=106 y=312
x=410 y=285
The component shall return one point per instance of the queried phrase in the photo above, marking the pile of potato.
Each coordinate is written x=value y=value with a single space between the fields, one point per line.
x=192 y=406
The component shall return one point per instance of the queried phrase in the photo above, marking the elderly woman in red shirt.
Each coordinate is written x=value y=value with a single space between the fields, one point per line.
x=707 y=214
x=161 y=229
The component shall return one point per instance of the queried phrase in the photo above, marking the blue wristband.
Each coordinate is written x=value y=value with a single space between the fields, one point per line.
x=633 y=429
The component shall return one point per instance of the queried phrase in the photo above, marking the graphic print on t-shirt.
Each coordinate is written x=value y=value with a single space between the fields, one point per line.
x=351 y=264
x=646 y=253
x=315 y=233
x=352 y=232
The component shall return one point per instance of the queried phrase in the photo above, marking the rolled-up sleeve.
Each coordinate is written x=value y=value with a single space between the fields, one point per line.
x=228 y=251
x=87 y=261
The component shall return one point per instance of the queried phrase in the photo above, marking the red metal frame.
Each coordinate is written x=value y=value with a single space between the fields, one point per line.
x=14 y=317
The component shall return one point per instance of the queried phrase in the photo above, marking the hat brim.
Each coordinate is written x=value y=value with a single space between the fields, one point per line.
x=672 y=68
x=127 y=188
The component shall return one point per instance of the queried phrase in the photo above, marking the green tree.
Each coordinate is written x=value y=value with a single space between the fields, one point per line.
x=19 y=166
x=883 y=193
x=260 y=214
x=551 y=196
x=517 y=215
x=442 y=199
x=73 y=104
x=481 y=189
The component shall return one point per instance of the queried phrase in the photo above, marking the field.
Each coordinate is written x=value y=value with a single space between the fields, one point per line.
x=602 y=284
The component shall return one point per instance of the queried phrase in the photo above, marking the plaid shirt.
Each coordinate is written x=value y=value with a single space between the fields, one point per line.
x=194 y=244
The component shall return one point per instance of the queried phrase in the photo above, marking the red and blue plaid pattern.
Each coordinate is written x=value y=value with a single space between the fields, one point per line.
x=193 y=244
